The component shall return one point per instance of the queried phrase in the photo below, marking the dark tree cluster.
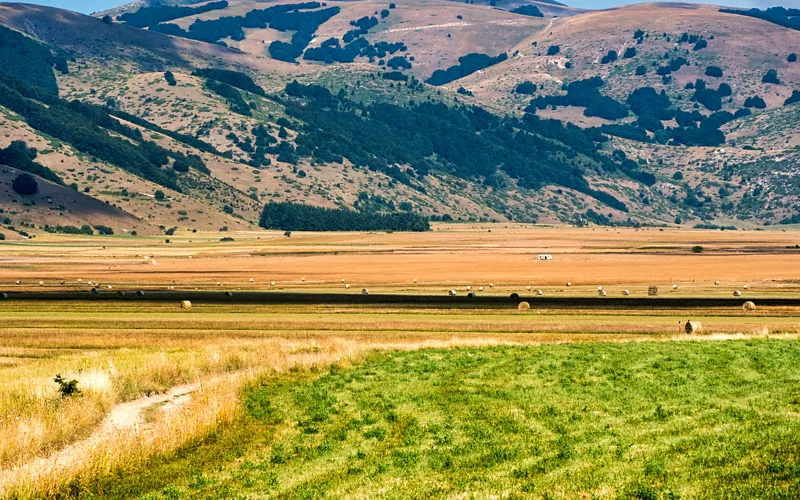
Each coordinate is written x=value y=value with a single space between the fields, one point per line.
x=463 y=91
x=233 y=78
x=528 y=10
x=525 y=88
x=674 y=65
x=788 y=18
x=697 y=40
x=231 y=95
x=302 y=18
x=152 y=15
x=395 y=76
x=170 y=78
x=710 y=98
x=610 y=57
x=399 y=62
x=288 y=216
x=466 y=141
x=27 y=59
x=467 y=65
x=630 y=53
x=331 y=50
x=25 y=184
x=791 y=58
x=19 y=156
x=362 y=27
x=553 y=50
x=585 y=94
x=795 y=97
x=755 y=102
x=771 y=76
x=714 y=71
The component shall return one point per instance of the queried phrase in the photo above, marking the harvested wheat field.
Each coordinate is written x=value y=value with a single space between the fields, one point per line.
x=142 y=396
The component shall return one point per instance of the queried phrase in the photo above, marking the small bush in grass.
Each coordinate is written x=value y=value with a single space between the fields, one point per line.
x=67 y=388
x=25 y=184
x=697 y=249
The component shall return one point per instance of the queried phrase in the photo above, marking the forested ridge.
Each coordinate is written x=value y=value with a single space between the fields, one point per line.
x=466 y=141
x=155 y=14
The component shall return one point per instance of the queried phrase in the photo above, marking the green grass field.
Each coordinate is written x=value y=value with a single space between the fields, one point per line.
x=608 y=420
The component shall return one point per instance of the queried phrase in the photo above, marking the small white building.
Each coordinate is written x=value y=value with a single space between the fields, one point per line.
x=545 y=256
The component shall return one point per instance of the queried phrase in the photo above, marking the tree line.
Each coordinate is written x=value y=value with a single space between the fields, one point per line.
x=287 y=216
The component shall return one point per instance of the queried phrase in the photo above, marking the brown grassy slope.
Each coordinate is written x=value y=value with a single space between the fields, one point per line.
x=59 y=205
x=109 y=183
x=745 y=48
x=90 y=37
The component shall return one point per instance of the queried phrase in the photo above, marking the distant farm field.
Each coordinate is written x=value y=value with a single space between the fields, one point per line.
x=605 y=398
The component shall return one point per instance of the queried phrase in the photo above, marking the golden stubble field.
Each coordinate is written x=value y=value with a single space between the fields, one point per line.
x=450 y=256
x=154 y=377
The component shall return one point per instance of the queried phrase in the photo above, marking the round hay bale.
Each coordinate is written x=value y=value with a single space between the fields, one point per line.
x=365 y=291
x=95 y=290
x=18 y=282
x=693 y=327
x=491 y=285
x=746 y=287
x=79 y=281
x=271 y=283
x=480 y=288
x=346 y=286
x=569 y=283
x=252 y=280
x=524 y=306
x=344 y=280
x=514 y=296
x=415 y=281
x=140 y=293
x=737 y=293
x=41 y=283
x=539 y=292
x=626 y=293
x=599 y=288
x=171 y=287
x=120 y=293
x=674 y=287
x=452 y=293
x=529 y=288
x=109 y=287
x=229 y=294
x=185 y=304
x=471 y=295
x=716 y=282
x=603 y=293
x=469 y=288
x=3 y=295
x=749 y=306
x=219 y=283
x=303 y=280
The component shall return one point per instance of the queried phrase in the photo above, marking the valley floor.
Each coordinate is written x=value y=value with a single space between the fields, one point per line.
x=235 y=399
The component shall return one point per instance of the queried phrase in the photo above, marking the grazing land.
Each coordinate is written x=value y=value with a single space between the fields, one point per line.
x=606 y=398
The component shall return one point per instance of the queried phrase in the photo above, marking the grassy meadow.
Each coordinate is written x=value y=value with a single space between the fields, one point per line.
x=696 y=420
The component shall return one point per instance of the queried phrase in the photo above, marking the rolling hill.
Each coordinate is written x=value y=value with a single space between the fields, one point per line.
x=631 y=116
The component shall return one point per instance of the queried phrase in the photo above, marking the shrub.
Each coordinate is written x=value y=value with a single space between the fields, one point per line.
x=67 y=388
x=771 y=77
x=629 y=53
x=25 y=184
x=641 y=70
x=792 y=57
x=793 y=99
x=170 y=78
x=755 y=102
x=714 y=71
x=159 y=195
x=525 y=88
x=697 y=249
x=610 y=57
x=553 y=50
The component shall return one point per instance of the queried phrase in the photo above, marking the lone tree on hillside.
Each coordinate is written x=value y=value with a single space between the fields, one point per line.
x=25 y=184
x=771 y=77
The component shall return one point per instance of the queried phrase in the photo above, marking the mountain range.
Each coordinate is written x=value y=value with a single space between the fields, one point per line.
x=173 y=116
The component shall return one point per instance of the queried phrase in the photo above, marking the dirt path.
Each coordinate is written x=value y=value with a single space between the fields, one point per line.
x=510 y=22
x=124 y=417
